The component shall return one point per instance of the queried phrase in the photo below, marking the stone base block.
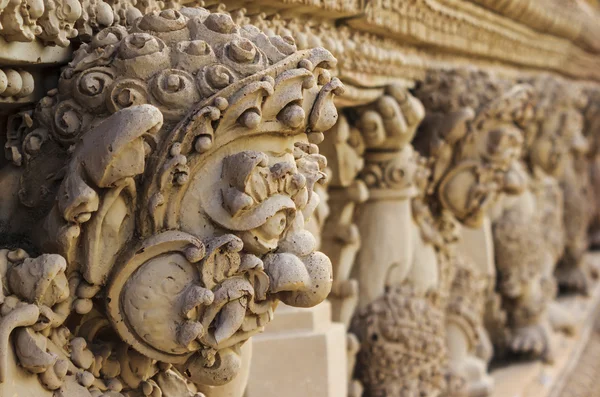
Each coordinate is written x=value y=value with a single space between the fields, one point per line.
x=302 y=354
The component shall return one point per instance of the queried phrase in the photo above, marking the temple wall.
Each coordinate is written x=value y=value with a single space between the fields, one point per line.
x=267 y=198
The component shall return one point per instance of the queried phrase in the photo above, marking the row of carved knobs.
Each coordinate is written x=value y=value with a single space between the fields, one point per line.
x=15 y=83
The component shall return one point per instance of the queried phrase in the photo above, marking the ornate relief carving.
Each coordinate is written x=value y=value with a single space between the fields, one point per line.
x=171 y=177
x=403 y=350
x=55 y=22
x=528 y=236
x=470 y=151
x=446 y=24
x=169 y=192
x=391 y=359
x=472 y=141
x=553 y=17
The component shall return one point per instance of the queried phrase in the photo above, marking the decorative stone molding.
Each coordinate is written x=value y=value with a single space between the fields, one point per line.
x=55 y=22
x=458 y=26
x=553 y=17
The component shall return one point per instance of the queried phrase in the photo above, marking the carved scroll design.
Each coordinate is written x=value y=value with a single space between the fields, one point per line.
x=171 y=176
x=56 y=22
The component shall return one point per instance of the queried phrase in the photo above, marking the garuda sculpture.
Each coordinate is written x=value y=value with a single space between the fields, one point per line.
x=157 y=207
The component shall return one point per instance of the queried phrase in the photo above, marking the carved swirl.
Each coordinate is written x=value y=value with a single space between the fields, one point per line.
x=125 y=93
x=215 y=77
x=69 y=122
x=91 y=87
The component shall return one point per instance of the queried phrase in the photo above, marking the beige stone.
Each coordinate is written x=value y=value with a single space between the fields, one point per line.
x=172 y=173
x=302 y=353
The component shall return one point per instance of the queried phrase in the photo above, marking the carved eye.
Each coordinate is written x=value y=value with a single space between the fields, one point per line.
x=274 y=226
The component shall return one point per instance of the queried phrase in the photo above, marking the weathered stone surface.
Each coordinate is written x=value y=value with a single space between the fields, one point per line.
x=416 y=181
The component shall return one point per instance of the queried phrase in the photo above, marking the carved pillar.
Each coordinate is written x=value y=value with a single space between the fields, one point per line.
x=400 y=320
x=168 y=183
x=343 y=146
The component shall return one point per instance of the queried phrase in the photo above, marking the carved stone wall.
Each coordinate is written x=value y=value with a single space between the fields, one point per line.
x=174 y=170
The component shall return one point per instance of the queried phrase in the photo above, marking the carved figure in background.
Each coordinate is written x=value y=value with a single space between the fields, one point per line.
x=529 y=235
x=170 y=180
x=592 y=124
x=572 y=272
x=472 y=143
x=343 y=146
x=399 y=325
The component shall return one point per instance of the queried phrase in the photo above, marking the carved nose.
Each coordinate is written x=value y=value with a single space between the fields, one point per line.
x=286 y=273
x=299 y=281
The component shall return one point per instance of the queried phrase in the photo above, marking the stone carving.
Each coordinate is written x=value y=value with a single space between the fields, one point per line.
x=421 y=281
x=446 y=24
x=592 y=118
x=343 y=146
x=571 y=272
x=15 y=84
x=553 y=17
x=169 y=191
x=170 y=180
x=55 y=22
x=471 y=141
x=395 y=357
x=529 y=236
